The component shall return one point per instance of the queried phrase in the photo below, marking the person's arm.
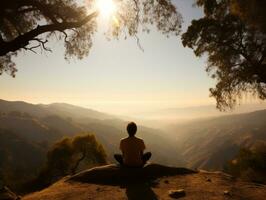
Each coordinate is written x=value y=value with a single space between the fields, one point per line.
x=143 y=147
x=121 y=147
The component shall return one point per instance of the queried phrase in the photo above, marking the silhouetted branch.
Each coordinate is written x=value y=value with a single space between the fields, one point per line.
x=23 y=40
x=138 y=43
x=74 y=169
x=42 y=43
x=65 y=36
x=32 y=48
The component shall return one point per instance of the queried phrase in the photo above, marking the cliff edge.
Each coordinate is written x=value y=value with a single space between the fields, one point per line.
x=149 y=183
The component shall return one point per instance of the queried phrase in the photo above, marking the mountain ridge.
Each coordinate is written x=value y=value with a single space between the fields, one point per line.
x=41 y=110
x=210 y=143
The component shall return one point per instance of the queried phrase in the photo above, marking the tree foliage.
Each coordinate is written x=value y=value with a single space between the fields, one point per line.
x=67 y=155
x=236 y=49
x=251 y=11
x=29 y=24
x=249 y=164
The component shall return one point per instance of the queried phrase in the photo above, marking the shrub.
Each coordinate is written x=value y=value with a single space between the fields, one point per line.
x=69 y=155
x=249 y=164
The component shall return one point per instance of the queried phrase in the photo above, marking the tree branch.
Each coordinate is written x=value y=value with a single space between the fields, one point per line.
x=32 y=48
x=42 y=43
x=23 y=40
x=74 y=169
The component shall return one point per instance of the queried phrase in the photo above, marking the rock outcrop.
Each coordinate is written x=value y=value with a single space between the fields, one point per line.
x=116 y=175
x=149 y=183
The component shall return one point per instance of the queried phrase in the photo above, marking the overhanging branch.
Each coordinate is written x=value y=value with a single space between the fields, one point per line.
x=23 y=40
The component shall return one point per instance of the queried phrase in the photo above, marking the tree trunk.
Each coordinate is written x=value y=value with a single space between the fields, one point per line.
x=74 y=169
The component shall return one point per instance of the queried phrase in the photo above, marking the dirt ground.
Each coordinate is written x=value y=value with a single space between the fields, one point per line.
x=199 y=186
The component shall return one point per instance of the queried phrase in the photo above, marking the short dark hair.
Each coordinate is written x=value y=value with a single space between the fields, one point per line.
x=131 y=128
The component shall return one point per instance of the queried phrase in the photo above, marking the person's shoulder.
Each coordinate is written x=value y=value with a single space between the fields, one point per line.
x=139 y=139
x=123 y=139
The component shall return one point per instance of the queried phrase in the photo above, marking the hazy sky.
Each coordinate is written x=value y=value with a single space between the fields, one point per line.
x=117 y=76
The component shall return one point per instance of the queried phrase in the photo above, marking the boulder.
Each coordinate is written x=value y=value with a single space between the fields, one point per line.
x=177 y=193
x=114 y=174
x=227 y=193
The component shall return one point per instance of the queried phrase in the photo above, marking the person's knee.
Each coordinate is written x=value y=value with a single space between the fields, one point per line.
x=148 y=155
x=116 y=155
x=118 y=158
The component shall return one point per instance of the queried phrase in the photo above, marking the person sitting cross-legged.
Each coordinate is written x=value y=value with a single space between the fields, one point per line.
x=132 y=149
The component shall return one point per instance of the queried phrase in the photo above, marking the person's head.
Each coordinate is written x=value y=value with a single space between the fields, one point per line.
x=131 y=129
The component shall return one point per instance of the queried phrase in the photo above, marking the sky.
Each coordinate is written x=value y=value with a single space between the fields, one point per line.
x=116 y=77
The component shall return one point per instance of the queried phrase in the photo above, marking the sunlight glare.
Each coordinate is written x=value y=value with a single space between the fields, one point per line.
x=106 y=7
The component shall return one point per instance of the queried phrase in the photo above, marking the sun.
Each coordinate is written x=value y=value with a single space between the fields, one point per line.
x=106 y=7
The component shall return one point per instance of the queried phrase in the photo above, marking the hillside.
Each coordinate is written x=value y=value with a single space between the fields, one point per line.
x=43 y=125
x=205 y=143
x=20 y=160
x=48 y=123
x=29 y=128
x=210 y=143
x=41 y=110
x=76 y=112
x=197 y=186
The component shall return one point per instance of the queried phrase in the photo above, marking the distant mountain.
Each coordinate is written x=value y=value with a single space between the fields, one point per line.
x=65 y=126
x=196 y=112
x=68 y=110
x=23 y=107
x=48 y=123
x=42 y=110
x=210 y=143
x=29 y=128
x=207 y=143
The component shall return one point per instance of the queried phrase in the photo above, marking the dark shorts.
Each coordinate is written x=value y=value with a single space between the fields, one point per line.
x=145 y=157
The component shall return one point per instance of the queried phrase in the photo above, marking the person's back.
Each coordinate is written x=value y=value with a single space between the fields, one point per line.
x=132 y=149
